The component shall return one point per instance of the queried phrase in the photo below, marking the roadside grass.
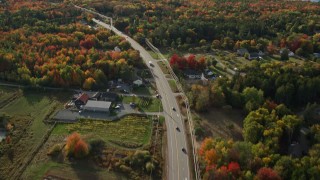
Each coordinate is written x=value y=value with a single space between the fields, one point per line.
x=163 y=67
x=153 y=54
x=173 y=86
x=128 y=132
x=146 y=104
x=27 y=112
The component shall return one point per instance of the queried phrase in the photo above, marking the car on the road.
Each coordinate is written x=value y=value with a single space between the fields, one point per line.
x=178 y=129
x=150 y=63
x=184 y=150
x=80 y=111
x=158 y=96
x=174 y=109
x=117 y=107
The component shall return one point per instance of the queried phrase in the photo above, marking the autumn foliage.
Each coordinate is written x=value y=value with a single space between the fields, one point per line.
x=76 y=146
x=267 y=174
x=189 y=62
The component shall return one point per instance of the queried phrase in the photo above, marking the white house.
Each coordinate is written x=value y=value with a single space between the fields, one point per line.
x=138 y=82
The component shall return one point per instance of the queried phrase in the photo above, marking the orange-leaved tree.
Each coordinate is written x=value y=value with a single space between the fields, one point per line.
x=76 y=147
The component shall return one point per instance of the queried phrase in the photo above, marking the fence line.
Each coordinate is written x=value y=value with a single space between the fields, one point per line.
x=189 y=117
x=19 y=173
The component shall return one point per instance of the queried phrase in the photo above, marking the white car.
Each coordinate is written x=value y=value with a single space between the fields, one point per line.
x=150 y=63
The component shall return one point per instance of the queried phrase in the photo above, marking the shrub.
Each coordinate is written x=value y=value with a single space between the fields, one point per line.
x=149 y=166
x=54 y=150
x=76 y=147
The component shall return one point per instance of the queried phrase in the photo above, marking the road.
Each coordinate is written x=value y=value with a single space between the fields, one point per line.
x=177 y=160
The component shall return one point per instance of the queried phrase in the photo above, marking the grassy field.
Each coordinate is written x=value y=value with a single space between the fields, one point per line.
x=144 y=90
x=82 y=170
x=225 y=123
x=173 y=86
x=146 y=104
x=131 y=130
x=27 y=112
x=128 y=133
x=8 y=94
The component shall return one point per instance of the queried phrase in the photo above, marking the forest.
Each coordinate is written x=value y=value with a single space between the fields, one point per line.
x=56 y=47
x=215 y=24
x=280 y=100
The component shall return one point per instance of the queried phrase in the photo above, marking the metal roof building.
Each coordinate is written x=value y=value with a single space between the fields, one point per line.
x=101 y=106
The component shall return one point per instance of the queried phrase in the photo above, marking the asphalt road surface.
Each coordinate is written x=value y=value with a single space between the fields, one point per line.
x=177 y=160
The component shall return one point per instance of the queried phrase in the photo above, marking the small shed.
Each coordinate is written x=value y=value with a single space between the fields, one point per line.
x=97 y=106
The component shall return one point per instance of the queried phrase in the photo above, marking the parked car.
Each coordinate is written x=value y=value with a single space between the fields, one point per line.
x=133 y=105
x=174 y=109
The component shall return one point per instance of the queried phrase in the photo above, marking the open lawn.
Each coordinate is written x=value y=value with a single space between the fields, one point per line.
x=173 y=86
x=144 y=90
x=146 y=104
x=225 y=123
x=27 y=113
x=130 y=131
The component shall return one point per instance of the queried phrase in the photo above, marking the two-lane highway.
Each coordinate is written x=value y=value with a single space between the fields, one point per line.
x=177 y=160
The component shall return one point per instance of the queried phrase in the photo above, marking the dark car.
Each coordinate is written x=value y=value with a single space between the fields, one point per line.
x=174 y=109
x=178 y=129
x=184 y=150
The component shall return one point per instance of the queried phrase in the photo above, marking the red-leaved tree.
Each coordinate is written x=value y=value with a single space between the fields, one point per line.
x=267 y=174
x=234 y=168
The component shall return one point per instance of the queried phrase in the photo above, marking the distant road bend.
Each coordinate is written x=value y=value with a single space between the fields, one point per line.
x=177 y=160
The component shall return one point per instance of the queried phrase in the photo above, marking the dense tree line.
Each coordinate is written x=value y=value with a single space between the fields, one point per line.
x=35 y=50
x=220 y=23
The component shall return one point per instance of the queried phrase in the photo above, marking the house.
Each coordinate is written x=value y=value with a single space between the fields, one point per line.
x=97 y=106
x=253 y=56
x=242 y=51
x=117 y=49
x=208 y=72
x=192 y=74
x=81 y=100
x=290 y=53
x=108 y=96
x=138 y=82
x=316 y=55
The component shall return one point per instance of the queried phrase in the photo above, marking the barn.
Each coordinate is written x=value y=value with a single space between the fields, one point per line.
x=97 y=106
